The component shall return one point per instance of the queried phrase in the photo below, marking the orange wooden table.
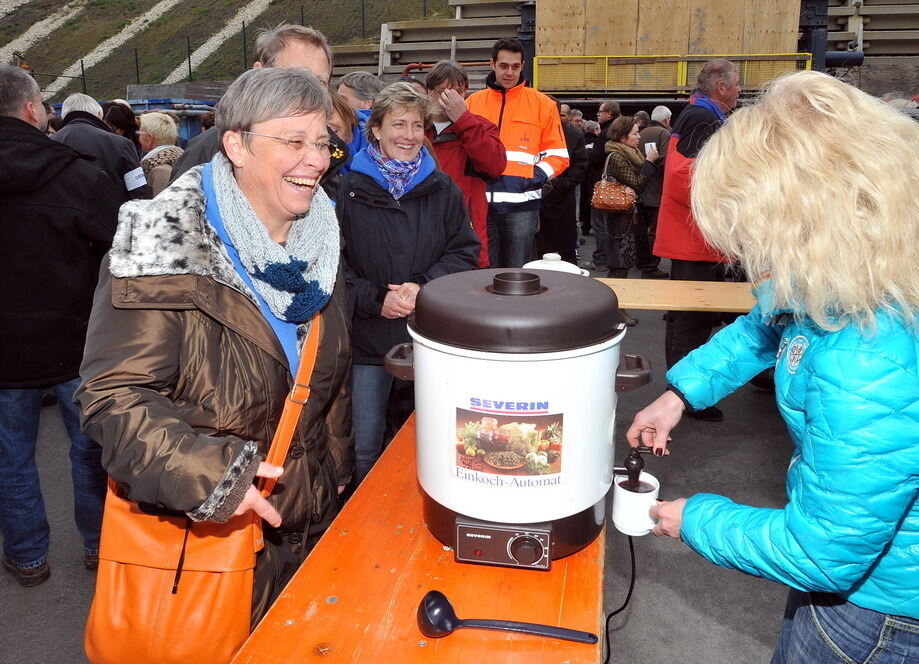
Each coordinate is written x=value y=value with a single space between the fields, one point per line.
x=355 y=597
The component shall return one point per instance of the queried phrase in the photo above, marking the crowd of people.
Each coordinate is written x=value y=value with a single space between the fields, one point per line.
x=169 y=292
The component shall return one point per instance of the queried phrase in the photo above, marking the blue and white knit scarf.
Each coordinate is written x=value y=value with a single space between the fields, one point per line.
x=398 y=174
x=296 y=279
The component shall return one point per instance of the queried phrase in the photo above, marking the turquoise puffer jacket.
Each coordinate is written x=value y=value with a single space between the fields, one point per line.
x=851 y=403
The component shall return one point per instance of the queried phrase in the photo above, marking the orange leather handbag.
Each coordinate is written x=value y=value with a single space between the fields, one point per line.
x=172 y=590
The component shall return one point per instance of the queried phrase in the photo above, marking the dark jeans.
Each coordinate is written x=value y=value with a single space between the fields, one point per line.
x=819 y=628
x=371 y=390
x=645 y=230
x=598 y=224
x=23 y=520
x=510 y=237
x=584 y=208
x=687 y=330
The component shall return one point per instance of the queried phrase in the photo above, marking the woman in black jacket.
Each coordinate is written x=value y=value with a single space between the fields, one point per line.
x=404 y=223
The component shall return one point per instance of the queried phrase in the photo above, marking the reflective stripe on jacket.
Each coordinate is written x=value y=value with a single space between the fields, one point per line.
x=534 y=142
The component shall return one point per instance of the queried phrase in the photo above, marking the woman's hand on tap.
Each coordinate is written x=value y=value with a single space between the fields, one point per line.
x=652 y=426
x=669 y=517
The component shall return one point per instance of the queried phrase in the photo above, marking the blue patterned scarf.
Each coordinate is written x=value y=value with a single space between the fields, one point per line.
x=397 y=174
x=296 y=279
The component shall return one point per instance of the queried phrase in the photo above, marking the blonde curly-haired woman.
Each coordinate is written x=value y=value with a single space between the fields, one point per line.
x=814 y=190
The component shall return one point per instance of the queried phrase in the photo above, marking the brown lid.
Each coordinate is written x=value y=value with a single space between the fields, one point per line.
x=516 y=311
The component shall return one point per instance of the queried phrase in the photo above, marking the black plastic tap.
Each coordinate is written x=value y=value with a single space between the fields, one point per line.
x=633 y=467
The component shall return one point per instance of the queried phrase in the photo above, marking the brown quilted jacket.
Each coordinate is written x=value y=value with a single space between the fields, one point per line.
x=184 y=380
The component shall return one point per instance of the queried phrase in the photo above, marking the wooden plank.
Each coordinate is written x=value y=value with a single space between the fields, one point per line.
x=715 y=26
x=663 y=26
x=612 y=27
x=769 y=27
x=673 y=295
x=662 y=29
x=887 y=10
x=356 y=596
x=891 y=35
x=463 y=3
x=456 y=23
x=560 y=27
x=461 y=45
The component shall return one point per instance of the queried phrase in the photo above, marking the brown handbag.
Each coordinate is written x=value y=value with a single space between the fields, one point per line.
x=171 y=590
x=612 y=195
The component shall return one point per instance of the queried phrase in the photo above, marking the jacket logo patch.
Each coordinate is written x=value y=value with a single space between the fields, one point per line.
x=796 y=349
x=781 y=350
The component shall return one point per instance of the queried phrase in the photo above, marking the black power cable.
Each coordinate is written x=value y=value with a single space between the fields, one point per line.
x=624 y=604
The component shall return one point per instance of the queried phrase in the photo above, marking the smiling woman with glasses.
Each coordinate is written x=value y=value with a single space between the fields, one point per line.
x=299 y=144
x=208 y=295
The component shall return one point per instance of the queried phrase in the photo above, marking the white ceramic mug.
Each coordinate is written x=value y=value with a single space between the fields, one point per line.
x=631 y=510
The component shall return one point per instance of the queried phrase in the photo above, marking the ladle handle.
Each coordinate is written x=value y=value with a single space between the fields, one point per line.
x=532 y=628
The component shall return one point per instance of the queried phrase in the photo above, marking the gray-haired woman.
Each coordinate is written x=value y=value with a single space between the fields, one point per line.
x=404 y=223
x=198 y=320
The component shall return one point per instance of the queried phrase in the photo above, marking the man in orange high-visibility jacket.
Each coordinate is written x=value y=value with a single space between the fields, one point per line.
x=531 y=132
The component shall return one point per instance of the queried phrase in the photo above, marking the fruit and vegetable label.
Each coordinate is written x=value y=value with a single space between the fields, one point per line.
x=513 y=444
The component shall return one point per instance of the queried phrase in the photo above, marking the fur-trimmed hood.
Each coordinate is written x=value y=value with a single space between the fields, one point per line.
x=163 y=155
x=171 y=235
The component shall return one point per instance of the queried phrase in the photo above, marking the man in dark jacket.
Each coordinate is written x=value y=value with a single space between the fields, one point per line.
x=85 y=132
x=609 y=111
x=468 y=147
x=54 y=202
x=657 y=134
x=558 y=231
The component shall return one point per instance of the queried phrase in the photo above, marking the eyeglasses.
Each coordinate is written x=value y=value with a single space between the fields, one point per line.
x=298 y=145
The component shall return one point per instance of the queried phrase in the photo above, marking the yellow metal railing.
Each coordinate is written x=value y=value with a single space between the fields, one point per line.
x=654 y=73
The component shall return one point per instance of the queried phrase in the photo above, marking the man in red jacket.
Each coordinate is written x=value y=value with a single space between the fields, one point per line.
x=678 y=237
x=467 y=145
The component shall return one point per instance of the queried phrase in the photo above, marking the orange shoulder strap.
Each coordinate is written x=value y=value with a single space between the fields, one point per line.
x=293 y=405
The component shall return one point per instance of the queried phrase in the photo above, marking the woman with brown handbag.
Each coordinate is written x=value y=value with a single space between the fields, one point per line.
x=626 y=165
x=207 y=296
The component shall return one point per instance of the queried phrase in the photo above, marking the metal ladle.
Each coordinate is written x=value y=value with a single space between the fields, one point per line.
x=436 y=618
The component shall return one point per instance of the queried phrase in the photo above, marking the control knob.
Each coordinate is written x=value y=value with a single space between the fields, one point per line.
x=526 y=550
